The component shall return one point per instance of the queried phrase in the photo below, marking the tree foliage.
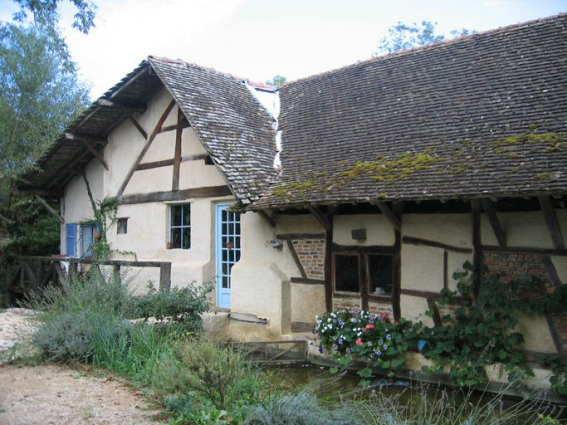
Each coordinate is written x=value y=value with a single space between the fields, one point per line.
x=403 y=36
x=277 y=81
x=45 y=13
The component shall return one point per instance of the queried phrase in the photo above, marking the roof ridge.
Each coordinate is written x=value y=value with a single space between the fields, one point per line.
x=164 y=59
x=428 y=47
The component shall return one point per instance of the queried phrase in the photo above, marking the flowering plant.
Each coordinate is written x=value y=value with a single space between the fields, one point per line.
x=361 y=335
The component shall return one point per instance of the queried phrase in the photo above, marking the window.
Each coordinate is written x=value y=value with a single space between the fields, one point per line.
x=87 y=239
x=122 y=226
x=362 y=272
x=180 y=226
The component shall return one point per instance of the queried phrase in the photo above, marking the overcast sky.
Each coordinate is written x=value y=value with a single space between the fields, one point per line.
x=258 y=39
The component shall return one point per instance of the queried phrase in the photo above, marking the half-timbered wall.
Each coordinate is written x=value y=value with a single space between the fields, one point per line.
x=145 y=201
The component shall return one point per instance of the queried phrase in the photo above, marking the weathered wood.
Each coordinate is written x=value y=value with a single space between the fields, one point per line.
x=363 y=274
x=51 y=210
x=7 y=293
x=47 y=193
x=386 y=250
x=524 y=250
x=433 y=307
x=305 y=281
x=555 y=334
x=321 y=218
x=165 y=277
x=130 y=81
x=551 y=222
x=299 y=236
x=184 y=124
x=267 y=218
x=328 y=268
x=97 y=155
x=31 y=275
x=133 y=107
x=180 y=195
x=497 y=228
x=177 y=153
x=477 y=244
x=138 y=126
x=389 y=214
x=397 y=264
x=81 y=138
x=169 y=162
x=296 y=259
x=552 y=271
x=302 y=327
x=69 y=165
x=445 y=270
x=410 y=240
x=428 y=294
x=146 y=147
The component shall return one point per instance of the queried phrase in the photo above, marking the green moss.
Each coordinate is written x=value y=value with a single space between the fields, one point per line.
x=322 y=174
x=292 y=189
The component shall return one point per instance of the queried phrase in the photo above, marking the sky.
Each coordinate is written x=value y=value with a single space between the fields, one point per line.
x=258 y=39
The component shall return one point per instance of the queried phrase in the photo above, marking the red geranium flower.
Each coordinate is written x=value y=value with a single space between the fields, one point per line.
x=358 y=341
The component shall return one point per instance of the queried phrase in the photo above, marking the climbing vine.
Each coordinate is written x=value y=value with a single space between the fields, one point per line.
x=479 y=329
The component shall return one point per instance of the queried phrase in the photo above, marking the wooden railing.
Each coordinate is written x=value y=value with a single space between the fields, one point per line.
x=32 y=273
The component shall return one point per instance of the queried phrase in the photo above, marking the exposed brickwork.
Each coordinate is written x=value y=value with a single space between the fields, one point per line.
x=345 y=303
x=311 y=253
x=517 y=266
x=510 y=266
x=380 y=308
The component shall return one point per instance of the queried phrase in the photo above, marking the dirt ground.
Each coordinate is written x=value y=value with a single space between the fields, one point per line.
x=61 y=395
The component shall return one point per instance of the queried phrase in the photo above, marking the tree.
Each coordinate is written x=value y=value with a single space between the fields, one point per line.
x=402 y=37
x=39 y=95
x=277 y=81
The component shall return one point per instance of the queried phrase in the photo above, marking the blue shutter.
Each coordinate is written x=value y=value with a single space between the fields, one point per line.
x=71 y=241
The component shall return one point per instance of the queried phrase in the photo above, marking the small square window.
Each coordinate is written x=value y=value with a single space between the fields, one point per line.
x=122 y=226
x=180 y=226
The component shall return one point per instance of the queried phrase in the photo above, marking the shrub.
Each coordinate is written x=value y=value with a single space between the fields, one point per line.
x=183 y=306
x=298 y=409
x=374 y=339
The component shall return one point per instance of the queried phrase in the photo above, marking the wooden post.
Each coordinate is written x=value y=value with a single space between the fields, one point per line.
x=477 y=244
x=329 y=269
x=177 y=154
x=8 y=294
x=397 y=266
x=165 y=277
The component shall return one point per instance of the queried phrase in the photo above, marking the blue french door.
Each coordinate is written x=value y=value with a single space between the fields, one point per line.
x=227 y=250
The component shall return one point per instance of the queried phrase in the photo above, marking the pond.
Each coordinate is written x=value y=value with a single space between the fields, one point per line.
x=412 y=397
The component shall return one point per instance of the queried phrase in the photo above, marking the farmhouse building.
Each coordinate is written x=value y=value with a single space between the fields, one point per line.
x=373 y=184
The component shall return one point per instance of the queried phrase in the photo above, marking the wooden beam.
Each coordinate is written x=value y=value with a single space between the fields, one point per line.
x=180 y=195
x=524 y=250
x=169 y=162
x=146 y=147
x=397 y=263
x=70 y=165
x=86 y=138
x=138 y=126
x=134 y=107
x=557 y=340
x=143 y=71
x=321 y=218
x=384 y=250
x=410 y=240
x=551 y=221
x=445 y=270
x=299 y=236
x=305 y=281
x=47 y=193
x=497 y=228
x=433 y=307
x=177 y=153
x=296 y=259
x=552 y=271
x=267 y=218
x=477 y=243
x=184 y=124
x=165 y=277
x=51 y=210
x=390 y=216
x=328 y=268
x=97 y=155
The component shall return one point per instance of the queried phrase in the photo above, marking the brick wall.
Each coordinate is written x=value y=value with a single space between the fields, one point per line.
x=517 y=266
x=311 y=253
x=346 y=303
x=380 y=308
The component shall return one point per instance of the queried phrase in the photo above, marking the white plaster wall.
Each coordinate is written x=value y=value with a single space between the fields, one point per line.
x=378 y=230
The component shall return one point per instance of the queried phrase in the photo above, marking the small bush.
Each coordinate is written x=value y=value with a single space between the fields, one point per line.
x=298 y=409
x=183 y=306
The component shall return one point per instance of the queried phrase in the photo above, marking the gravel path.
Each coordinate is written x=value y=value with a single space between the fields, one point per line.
x=62 y=395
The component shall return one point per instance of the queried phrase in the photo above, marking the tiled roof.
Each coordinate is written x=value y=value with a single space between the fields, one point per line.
x=232 y=125
x=483 y=115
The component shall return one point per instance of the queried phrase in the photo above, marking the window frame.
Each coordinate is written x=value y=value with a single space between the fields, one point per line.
x=363 y=271
x=182 y=226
